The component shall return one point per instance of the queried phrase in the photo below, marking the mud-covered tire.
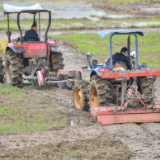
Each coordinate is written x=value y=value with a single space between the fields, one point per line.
x=13 y=69
x=147 y=87
x=57 y=61
x=80 y=92
x=99 y=92
x=1 y=71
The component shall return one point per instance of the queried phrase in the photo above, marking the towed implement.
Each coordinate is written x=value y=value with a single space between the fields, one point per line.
x=117 y=95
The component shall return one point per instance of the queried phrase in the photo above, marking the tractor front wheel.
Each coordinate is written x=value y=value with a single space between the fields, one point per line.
x=80 y=95
x=13 y=69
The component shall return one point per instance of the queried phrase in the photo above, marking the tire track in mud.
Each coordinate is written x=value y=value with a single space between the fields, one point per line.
x=20 y=141
x=143 y=139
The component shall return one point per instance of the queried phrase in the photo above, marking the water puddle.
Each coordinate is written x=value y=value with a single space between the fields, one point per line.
x=118 y=16
x=61 y=10
x=72 y=123
x=137 y=24
x=153 y=10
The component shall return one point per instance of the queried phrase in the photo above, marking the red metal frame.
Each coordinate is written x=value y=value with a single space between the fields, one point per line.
x=69 y=70
x=108 y=115
x=35 y=49
x=105 y=73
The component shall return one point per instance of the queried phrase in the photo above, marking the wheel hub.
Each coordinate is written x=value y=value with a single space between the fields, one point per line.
x=94 y=97
x=78 y=98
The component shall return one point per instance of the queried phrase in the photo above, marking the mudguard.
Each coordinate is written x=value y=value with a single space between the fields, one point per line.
x=96 y=70
x=55 y=48
x=18 y=50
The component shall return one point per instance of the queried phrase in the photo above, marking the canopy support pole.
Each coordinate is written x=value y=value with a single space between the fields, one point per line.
x=39 y=27
x=18 y=15
x=129 y=43
x=49 y=23
x=8 y=28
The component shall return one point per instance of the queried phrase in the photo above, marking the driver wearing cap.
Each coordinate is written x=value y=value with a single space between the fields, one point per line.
x=31 y=35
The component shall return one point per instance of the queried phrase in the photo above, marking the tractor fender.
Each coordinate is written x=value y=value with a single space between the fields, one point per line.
x=18 y=50
x=95 y=72
x=55 y=48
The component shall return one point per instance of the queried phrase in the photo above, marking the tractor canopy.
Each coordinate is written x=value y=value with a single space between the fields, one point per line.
x=8 y=9
x=23 y=9
x=104 y=33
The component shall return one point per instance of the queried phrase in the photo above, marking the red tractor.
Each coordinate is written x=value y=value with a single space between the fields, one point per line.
x=115 y=94
x=22 y=57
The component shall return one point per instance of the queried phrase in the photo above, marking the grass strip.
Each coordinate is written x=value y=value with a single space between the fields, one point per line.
x=20 y=112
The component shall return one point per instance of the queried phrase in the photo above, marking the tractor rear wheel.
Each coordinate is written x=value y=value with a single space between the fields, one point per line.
x=57 y=61
x=147 y=88
x=13 y=69
x=99 y=92
x=1 y=70
x=80 y=93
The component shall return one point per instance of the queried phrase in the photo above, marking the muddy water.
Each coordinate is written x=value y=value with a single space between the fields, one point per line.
x=137 y=24
x=62 y=10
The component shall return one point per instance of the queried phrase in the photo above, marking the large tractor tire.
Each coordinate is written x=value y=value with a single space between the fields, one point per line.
x=99 y=92
x=57 y=61
x=80 y=93
x=147 y=88
x=13 y=69
x=1 y=70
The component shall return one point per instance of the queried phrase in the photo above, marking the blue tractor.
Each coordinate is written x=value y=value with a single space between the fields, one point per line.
x=113 y=88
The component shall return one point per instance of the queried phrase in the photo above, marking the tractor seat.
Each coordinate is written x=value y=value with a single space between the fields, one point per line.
x=119 y=64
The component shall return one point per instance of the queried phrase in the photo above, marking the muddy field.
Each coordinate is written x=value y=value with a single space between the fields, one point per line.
x=139 y=9
x=121 y=141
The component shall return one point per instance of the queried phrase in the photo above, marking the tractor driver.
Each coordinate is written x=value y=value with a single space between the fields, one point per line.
x=121 y=57
x=31 y=35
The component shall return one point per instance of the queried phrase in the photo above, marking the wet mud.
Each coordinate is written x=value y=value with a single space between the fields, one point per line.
x=139 y=9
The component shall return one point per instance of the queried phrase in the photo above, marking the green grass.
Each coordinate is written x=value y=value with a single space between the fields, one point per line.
x=19 y=113
x=149 y=49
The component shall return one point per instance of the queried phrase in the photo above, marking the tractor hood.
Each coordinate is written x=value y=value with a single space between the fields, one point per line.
x=23 y=9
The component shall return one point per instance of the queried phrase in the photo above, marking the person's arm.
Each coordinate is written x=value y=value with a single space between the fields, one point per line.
x=38 y=39
x=127 y=63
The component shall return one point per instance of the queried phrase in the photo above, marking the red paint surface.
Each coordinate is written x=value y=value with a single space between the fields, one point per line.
x=35 y=50
x=105 y=73
x=40 y=78
x=108 y=115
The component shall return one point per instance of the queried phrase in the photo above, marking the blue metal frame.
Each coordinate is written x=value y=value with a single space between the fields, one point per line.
x=110 y=66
